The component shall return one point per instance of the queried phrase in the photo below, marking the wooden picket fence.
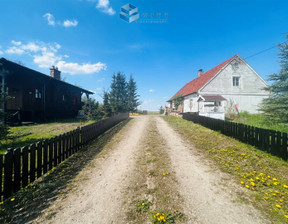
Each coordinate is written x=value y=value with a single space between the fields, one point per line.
x=22 y=166
x=270 y=141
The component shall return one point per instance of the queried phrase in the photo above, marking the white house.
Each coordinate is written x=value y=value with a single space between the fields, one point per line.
x=232 y=83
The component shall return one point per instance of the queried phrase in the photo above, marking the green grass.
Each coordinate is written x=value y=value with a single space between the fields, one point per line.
x=258 y=120
x=25 y=135
x=263 y=178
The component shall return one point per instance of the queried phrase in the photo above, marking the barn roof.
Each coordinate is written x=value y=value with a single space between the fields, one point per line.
x=14 y=68
x=196 y=84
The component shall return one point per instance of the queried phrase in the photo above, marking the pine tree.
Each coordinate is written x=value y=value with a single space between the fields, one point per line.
x=132 y=96
x=275 y=107
x=118 y=93
x=106 y=104
x=92 y=109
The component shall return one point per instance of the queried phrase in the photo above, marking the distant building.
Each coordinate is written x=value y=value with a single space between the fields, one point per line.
x=36 y=96
x=232 y=83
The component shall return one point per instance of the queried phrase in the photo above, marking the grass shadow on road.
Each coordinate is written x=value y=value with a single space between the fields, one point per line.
x=27 y=204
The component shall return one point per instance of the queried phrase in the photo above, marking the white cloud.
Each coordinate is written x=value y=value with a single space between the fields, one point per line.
x=50 y=19
x=101 y=80
x=17 y=43
x=46 y=59
x=14 y=50
x=68 y=23
x=104 y=6
x=151 y=90
x=46 y=54
x=75 y=68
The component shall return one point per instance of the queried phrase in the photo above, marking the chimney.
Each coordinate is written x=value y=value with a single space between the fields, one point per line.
x=55 y=73
x=200 y=72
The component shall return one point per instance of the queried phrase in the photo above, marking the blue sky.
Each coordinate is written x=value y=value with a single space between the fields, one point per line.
x=88 y=41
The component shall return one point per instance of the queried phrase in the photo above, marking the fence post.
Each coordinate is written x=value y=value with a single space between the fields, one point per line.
x=17 y=169
x=51 y=143
x=1 y=178
x=32 y=162
x=284 y=147
x=55 y=151
x=39 y=159
x=45 y=156
x=8 y=168
x=25 y=166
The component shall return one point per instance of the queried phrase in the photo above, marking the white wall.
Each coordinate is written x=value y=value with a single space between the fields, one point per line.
x=190 y=103
x=248 y=95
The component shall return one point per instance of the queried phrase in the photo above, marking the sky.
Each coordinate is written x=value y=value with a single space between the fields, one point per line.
x=163 y=49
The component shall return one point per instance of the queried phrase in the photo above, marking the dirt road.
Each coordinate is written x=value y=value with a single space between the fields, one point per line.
x=100 y=189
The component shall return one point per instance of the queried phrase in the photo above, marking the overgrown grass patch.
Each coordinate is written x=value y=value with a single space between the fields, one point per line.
x=24 y=135
x=258 y=120
x=265 y=177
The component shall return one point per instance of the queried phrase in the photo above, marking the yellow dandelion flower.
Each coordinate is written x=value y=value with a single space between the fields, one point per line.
x=157 y=214
x=285 y=186
x=286 y=216
x=167 y=173
x=257 y=178
x=276 y=183
x=242 y=182
x=266 y=193
x=247 y=186
x=12 y=199
x=278 y=206
x=277 y=192
x=164 y=174
x=158 y=219
x=274 y=194
x=1 y=203
x=281 y=200
x=253 y=184
x=143 y=204
x=274 y=179
x=266 y=198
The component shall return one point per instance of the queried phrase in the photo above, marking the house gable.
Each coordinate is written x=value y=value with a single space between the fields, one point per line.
x=236 y=77
x=196 y=84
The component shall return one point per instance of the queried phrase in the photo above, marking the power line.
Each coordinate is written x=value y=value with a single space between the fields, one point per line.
x=260 y=52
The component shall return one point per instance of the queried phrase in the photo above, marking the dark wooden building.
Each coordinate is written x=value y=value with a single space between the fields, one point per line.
x=38 y=97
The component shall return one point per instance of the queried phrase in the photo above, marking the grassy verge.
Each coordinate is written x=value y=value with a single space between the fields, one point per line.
x=153 y=192
x=24 y=135
x=264 y=177
x=258 y=120
x=29 y=203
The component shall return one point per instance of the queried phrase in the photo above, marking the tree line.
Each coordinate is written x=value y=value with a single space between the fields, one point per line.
x=122 y=97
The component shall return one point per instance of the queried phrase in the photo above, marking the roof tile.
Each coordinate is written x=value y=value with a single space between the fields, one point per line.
x=199 y=82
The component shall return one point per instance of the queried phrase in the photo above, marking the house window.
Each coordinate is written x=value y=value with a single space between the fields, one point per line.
x=236 y=81
x=37 y=94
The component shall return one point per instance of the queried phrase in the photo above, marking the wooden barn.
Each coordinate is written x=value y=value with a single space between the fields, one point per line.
x=36 y=97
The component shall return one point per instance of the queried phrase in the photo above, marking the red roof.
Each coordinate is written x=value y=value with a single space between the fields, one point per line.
x=196 y=84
